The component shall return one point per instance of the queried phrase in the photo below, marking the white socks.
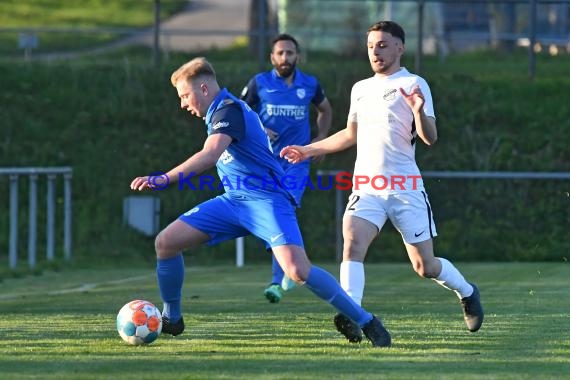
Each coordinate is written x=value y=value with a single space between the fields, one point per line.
x=451 y=278
x=352 y=279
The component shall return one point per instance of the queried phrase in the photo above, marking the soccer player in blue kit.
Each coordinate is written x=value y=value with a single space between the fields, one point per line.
x=254 y=201
x=282 y=97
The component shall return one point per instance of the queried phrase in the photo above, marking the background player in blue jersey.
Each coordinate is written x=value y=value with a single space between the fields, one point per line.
x=254 y=202
x=282 y=97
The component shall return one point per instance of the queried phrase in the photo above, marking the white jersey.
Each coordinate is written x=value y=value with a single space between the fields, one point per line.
x=386 y=160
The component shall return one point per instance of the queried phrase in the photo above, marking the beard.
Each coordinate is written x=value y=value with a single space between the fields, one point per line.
x=388 y=65
x=285 y=71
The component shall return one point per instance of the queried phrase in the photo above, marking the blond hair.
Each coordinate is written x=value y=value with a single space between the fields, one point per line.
x=192 y=69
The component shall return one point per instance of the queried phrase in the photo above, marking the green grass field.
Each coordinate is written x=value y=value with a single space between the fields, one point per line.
x=61 y=325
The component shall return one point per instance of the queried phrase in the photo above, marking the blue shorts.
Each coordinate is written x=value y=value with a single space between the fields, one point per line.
x=228 y=217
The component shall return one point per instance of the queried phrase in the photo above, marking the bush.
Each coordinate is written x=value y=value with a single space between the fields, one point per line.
x=112 y=121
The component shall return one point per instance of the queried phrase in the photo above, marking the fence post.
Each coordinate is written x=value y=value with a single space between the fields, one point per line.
x=262 y=9
x=13 y=250
x=339 y=210
x=240 y=245
x=67 y=217
x=339 y=207
x=532 y=39
x=156 y=41
x=419 y=46
x=50 y=218
x=33 y=219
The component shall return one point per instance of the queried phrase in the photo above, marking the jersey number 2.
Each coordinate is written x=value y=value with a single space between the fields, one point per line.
x=352 y=201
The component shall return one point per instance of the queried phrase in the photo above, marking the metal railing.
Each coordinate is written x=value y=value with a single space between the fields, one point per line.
x=33 y=174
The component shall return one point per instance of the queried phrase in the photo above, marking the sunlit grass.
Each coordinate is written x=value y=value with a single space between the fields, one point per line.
x=52 y=330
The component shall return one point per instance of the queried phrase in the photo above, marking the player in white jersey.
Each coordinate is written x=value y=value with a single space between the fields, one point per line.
x=388 y=112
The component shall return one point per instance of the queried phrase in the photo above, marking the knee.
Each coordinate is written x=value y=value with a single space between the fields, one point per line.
x=353 y=250
x=426 y=269
x=161 y=247
x=297 y=272
x=297 y=277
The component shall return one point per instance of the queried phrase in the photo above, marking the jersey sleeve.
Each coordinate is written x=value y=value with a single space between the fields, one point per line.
x=230 y=121
x=319 y=95
x=249 y=94
x=352 y=117
x=428 y=104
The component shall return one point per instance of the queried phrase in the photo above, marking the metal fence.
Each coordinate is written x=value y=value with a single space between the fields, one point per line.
x=34 y=174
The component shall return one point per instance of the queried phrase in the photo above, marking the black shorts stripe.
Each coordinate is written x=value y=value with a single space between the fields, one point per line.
x=428 y=214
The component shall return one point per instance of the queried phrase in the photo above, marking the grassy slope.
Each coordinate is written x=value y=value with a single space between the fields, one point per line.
x=114 y=120
x=116 y=117
x=233 y=333
x=76 y=14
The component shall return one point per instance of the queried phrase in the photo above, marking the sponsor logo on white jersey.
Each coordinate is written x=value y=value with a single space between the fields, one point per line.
x=390 y=94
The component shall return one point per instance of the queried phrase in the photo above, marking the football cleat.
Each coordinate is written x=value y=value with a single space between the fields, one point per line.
x=172 y=328
x=377 y=333
x=472 y=310
x=273 y=293
x=348 y=328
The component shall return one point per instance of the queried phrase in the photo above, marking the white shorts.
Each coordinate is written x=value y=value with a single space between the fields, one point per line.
x=410 y=213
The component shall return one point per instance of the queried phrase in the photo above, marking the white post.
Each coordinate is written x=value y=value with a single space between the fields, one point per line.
x=13 y=250
x=239 y=252
x=33 y=220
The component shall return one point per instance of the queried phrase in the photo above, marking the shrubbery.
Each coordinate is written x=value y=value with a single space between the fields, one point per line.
x=117 y=120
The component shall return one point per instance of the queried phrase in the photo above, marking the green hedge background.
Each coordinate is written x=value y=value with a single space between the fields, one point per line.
x=118 y=118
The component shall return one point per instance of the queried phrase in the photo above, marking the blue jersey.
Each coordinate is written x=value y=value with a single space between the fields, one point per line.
x=247 y=167
x=284 y=109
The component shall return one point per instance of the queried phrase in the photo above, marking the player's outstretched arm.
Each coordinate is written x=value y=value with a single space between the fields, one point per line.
x=203 y=160
x=339 y=141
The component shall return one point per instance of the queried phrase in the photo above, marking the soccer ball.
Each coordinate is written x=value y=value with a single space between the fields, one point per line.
x=139 y=322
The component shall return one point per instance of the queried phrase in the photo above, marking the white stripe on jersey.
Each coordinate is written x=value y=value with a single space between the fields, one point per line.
x=386 y=135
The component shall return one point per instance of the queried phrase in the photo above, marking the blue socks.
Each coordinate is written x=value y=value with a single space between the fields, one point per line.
x=276 y=271
x=170 y=276
x=326 y=287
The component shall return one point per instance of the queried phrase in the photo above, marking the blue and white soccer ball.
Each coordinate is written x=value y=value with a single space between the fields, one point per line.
x=139 y=322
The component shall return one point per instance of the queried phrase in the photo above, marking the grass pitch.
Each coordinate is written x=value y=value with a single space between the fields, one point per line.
x=61 y=325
